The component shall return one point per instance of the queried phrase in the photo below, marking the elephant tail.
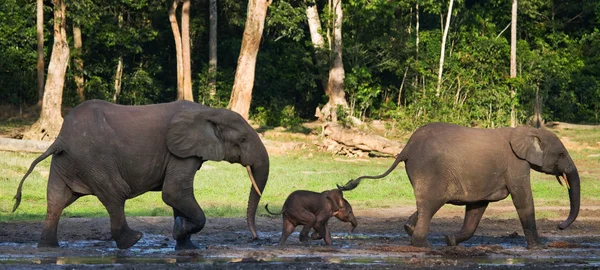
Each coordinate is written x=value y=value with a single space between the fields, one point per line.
x=352 y=184
x=53 y=149
x=275 y=214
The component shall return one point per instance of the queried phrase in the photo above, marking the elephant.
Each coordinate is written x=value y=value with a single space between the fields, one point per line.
x=450 y=164
x=313 y=210
x=118 y=152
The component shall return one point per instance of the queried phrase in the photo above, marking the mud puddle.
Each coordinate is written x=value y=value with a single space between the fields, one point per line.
x=378 y=243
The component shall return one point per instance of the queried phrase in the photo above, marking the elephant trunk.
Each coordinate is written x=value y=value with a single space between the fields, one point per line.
x=572 y=177
x=260 y=173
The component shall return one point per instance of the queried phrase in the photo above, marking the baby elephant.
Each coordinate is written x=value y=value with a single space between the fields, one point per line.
x=313 y=210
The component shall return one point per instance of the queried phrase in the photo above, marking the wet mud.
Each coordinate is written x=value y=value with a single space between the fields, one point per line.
x=378 y=242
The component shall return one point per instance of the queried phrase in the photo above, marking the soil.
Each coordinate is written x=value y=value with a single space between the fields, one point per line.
x=378 y=242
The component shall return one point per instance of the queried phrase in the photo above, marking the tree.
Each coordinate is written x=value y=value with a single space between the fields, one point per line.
x=314 y=26
x=182 y=49
x=40 y=50
x=513 y=62
x=50 y=121
x=443 y=49
x=78 y=62
x=241 y=94
x=119 y=71
x=212 y=49
x=335 y=84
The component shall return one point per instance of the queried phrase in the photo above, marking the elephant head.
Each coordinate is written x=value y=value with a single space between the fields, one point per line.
x=220 y=134
x=546 y=153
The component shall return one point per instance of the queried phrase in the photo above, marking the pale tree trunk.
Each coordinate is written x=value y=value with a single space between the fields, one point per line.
x=212 y=49
x=78 y=63
x=538 y=121
x=241 y=94
x=318 y=42
x=50 y=121
x=186 y=51
x=443 y=50
x=40 y=50
x=513 y=59
x=417 y=31
x=335 y=85
x=178 y=49
x=118 y=79
x=119 y=72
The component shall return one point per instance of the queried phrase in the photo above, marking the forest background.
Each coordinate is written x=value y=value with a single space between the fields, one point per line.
x=391 y=58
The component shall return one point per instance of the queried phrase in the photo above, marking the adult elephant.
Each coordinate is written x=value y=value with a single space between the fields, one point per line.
x=118 y=152
x=449 y=164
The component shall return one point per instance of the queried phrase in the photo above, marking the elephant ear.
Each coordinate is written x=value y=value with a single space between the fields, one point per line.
x=191 y=133
x=336 y=198
x=526 y=144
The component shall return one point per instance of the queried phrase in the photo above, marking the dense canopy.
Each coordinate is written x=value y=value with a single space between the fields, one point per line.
x=391 y=55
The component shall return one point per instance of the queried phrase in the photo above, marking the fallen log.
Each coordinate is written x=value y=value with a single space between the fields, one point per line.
x=360 y=140
x=563 y=125
x=16 y=145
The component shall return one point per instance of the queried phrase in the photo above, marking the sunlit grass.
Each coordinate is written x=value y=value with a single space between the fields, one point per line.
x=222 y=189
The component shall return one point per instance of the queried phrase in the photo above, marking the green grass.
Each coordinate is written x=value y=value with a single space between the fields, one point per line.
x=222 y=189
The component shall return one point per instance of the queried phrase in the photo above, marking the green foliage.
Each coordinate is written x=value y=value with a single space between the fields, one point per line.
x=557 y=55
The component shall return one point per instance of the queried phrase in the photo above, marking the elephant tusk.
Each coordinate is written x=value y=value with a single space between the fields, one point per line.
x=566 y=180
x=560 y=182
x=252 y=179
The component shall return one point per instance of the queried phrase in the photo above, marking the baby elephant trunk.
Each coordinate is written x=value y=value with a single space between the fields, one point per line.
x=354 y=224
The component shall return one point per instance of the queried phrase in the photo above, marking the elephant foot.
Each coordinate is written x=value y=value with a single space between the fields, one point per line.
x=185 y=244
x=315 y=236
x=420 y=243
x=48 y=244
x=409 y=229
x=450 y=240
x=181 y=228
x=128 y=238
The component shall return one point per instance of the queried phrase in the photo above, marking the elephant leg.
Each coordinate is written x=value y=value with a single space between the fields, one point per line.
x=523 y=202
x=322 y=229
x=309 y=220
x=124 y=236
x=426 y=209
x=473 y=214
x=287 y=229
x=409 y=226
x=59 y=196
x=178 y=192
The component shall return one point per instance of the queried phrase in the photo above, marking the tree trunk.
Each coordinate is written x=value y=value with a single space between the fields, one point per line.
x=118 y=79
x=50 y=121
x=513 y=60
x=241 y=94
x=212 y=50
x=335 y=85
x=40 y=50
x=314 y=26
x=178 y=49
x=186 y=51
x=417 y=31
x=538 y=121
x=443 y=50
x=78 y=63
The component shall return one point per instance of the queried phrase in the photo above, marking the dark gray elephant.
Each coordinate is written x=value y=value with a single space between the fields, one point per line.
x=313 y=210
x=118 y=152
x=449 y=164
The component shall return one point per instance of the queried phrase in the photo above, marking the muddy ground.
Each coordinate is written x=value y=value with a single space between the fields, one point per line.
x=377 y=243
